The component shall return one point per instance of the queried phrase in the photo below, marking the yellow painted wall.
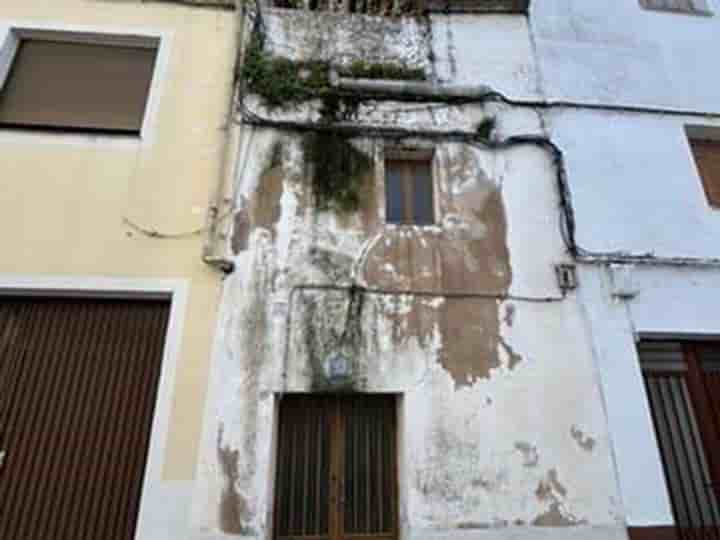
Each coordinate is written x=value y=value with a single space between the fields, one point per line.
x=64 y=197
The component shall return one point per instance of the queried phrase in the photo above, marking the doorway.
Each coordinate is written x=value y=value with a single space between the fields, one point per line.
x=336 y=468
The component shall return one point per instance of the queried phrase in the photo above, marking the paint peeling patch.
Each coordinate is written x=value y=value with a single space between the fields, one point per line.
x=550 y=487
x=494 y=524
x=513 y=357
x=473 y=525
x=509 y=317
x=529 y=452
x=335 y=265
x=233 y=507
x=470 y=339
x=555 y=516
x=584 y=441
x=241 y=232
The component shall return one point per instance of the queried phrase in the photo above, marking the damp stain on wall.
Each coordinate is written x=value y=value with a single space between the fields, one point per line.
x=233 y=507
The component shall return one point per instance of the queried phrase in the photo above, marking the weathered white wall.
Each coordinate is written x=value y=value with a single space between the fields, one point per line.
x=634 y=184
x=635 y=189
x=672 y=302
x=509 y=442
x=615 y=52
x=494 y=50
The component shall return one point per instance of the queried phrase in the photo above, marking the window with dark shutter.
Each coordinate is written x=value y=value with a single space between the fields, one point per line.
x=698 y=7
x=707 y=159
x=409 y=189
x=336 y=468
x=77 y=86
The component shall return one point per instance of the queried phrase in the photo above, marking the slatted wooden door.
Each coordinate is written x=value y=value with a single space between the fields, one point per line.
x=336 y=468
x=683 y=388
x=78 y=381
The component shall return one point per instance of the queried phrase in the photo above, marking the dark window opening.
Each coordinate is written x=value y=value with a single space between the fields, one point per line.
x=409 y=189
x=336 y=468
x=707 y=160
x=77 y=87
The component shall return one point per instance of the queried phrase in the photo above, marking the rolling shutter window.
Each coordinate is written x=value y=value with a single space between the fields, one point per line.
x=707 y=159
x=77 y=86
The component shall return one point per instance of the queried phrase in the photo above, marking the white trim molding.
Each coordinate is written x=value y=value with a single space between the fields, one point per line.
x=152 y=524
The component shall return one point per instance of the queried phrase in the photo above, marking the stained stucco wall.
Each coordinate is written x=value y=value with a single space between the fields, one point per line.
x=502 y=434
x=65 y=196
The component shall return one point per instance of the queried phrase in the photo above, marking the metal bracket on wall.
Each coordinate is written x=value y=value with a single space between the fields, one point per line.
x=566 y=277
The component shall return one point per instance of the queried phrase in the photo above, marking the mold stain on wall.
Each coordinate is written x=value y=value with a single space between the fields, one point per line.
x=233 y=507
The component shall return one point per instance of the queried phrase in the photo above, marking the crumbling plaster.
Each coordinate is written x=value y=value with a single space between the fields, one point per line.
x=498 y=396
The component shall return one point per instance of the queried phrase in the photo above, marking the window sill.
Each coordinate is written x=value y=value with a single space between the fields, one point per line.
x=52 y=135
x=671 y=11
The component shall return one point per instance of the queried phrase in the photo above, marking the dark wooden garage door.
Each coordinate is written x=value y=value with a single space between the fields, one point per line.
x=78 y=381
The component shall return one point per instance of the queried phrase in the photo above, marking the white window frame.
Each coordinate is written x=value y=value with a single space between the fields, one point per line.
x=11 y=35
x=154 y=515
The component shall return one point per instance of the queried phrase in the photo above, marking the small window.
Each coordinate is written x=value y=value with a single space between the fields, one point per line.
x=707 y=159
x=409 y=188
x=77 y=86
x=336 y=468
x=698 y=7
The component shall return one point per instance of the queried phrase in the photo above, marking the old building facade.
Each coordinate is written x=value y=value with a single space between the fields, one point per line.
x=456 y=278
x=401 y=351
x=112 y=134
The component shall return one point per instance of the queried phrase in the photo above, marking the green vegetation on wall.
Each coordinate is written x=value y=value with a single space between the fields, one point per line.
x=337 y=171
x=283 y=83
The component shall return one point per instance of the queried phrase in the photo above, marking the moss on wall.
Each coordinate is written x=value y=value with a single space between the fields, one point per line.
x=360 y=69
x=336 y=169
x=283 y=83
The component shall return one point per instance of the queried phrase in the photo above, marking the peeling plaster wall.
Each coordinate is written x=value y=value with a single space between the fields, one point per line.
x=502 y=431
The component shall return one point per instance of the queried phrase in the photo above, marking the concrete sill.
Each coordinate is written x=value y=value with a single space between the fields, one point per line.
x=478 y=6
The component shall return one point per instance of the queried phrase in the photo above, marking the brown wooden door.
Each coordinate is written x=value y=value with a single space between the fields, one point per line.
x=336 y=468
x=682 y=380
x=78 y=381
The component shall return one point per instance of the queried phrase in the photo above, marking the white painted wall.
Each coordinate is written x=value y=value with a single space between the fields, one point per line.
x=672 y=302
x=494 y=50
x=615 y=52
x=635 y=189
x=634 y=184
